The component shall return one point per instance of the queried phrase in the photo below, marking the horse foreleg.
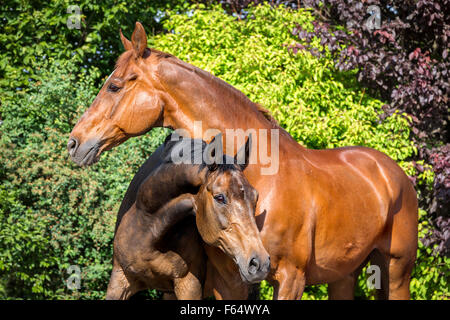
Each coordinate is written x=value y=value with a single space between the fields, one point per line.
x=188 y=288
x=342 y=289
x=289 y=284
x=119 y=287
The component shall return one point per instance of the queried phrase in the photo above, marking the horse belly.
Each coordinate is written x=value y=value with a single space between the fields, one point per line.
x=344 y=234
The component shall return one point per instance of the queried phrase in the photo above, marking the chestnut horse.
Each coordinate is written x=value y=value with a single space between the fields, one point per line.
x=156 y=244
x=321 y=217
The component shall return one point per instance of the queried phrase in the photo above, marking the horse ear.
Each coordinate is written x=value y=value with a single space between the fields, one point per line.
x=126 y=43
x=242 y=157
x=139 y=40
x=210 y=152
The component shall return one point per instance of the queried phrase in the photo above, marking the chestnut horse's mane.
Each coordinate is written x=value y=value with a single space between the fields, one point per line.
x=126 y=56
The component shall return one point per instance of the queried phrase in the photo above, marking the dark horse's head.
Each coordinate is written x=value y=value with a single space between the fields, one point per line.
x=225 y=208
x=221 y=197
x=129 y=104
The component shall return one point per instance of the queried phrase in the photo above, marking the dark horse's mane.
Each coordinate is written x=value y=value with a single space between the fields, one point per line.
x=172 y=140
x=196 y=146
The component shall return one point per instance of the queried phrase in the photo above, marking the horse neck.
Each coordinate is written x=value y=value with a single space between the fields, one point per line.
x=168 y=216
x=163 y=198
x=166 y=183
x=196 y=95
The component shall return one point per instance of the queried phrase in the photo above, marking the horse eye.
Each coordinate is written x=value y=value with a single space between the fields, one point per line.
x=113 y=88
x=220 y=198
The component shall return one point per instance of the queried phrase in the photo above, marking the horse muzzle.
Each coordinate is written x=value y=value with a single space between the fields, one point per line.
x=84 y=154
x=256 y=269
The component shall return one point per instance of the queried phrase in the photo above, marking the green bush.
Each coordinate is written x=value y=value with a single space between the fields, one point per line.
x=33 y=30
x=54 y=214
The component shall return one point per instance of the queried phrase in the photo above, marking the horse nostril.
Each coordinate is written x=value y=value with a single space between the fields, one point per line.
x=72 y=146
x=253 y=266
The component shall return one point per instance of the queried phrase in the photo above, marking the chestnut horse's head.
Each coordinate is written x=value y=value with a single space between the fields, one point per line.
x=128 y=105
x=225 y=208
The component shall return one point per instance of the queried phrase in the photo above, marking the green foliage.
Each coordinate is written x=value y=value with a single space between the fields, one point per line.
x=32 y=31
x=24 y=247
x=431 y=268
x=54 y=214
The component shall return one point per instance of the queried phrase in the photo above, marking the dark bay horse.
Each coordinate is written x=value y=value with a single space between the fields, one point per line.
x=321 y=217
x=156 y=244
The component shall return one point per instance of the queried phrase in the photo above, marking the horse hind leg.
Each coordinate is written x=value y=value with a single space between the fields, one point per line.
x=394 y=279
x=396 y=254
x=342 y=289
x=169 y=296
x=395 y=272
x=188 y=287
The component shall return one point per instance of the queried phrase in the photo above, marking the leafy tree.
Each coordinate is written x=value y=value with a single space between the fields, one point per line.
x=54 y=214
x=33 y=31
